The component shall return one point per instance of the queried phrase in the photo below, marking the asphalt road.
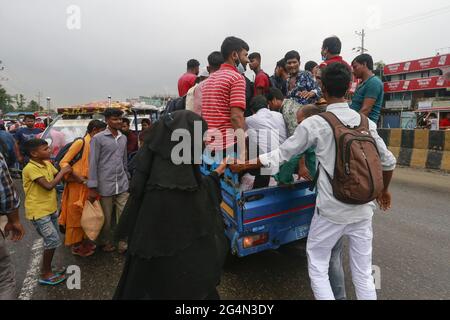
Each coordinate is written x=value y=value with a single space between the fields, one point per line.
x=411 y=248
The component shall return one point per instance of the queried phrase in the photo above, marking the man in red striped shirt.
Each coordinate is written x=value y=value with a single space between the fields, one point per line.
x=223 y=103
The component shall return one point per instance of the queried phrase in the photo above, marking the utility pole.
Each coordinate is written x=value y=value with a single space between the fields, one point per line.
x=361 y=49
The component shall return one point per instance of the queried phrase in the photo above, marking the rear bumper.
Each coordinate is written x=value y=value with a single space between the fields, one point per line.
x=280 y=231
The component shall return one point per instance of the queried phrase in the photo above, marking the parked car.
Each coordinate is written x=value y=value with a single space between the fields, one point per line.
x=63 y=131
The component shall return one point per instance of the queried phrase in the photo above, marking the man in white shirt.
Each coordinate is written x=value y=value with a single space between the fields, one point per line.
x=265 y=128
x=334 y=219
x=266 y=131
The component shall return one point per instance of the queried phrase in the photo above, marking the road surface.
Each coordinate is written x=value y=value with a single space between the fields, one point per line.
x=411 y=249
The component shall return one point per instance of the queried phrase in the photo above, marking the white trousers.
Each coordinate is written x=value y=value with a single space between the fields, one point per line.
x=322 y=238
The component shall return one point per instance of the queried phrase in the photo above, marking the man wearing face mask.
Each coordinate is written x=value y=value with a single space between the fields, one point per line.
x=331 y=50
x=223 y=101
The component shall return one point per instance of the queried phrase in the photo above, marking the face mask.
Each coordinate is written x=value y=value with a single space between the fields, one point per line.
x=241 y=68
x=237 y=62
x=324 y=58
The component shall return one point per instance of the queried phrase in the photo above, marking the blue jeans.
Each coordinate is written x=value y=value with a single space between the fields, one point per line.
x=48 y=228
x=336 y=271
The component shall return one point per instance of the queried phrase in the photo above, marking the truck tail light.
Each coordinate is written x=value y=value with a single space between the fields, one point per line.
x=255 y=240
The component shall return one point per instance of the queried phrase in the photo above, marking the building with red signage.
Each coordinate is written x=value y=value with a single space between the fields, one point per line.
x=414 y=90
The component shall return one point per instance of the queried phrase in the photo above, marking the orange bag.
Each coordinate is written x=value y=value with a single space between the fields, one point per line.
x=92 y=219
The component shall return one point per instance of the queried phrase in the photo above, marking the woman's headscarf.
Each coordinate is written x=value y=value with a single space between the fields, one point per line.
x=170 y=205
x=159 y=141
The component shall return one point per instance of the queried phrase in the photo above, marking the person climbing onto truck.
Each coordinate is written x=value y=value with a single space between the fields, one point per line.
x=340 y=212
x=303 y=164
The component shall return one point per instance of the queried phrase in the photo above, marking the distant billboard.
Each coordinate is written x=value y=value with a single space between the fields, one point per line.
x=437 y=62
x=432 y=83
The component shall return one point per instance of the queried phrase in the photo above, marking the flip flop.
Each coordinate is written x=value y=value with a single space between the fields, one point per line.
x=93 y=246
x=53 y=281
x=83 y=254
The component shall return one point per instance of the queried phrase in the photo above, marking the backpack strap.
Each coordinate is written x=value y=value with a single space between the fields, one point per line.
x=364 y=123
x=334 y=122
x=79 y=155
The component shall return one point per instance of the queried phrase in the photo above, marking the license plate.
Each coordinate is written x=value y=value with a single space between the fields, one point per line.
x=301 y=232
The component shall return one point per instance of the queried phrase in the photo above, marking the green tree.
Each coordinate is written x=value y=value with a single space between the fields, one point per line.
x=379 y=69
x=33 y=106
x=5 y=101
x=20 y=101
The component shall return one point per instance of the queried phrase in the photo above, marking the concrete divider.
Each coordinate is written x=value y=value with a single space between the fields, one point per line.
x=422 y=149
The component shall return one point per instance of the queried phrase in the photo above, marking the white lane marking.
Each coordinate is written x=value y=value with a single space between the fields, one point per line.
x=31 y=279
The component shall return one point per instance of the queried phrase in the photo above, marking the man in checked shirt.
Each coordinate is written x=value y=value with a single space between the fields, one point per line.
x=9 y=206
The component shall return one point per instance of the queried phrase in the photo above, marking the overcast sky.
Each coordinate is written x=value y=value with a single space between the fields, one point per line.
x=128 y=48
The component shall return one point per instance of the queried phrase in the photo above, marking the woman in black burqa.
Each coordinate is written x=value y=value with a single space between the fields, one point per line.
x=172 y=221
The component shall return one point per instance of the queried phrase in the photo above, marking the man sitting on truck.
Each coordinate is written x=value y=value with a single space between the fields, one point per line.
x=334 y=218
x=266 y=131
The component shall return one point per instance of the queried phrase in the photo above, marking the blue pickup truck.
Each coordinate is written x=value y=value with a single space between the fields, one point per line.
x=263 y=219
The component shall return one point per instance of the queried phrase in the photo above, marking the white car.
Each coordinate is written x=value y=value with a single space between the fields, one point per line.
x=62 y=132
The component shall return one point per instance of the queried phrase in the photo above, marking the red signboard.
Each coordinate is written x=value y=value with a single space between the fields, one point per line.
x=417 y=84
x=438 y=62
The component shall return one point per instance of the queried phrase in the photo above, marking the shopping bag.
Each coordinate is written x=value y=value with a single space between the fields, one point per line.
x=92 y=219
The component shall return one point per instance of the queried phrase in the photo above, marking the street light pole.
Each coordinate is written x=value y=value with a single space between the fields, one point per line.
x=109 y=101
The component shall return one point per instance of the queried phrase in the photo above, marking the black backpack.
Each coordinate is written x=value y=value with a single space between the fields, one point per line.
x=64 y=151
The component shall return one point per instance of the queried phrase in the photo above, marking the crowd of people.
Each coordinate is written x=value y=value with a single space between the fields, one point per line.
x=167 y=216
x=12 y=141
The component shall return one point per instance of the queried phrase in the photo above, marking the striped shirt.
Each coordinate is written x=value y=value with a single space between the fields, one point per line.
x=224 y=89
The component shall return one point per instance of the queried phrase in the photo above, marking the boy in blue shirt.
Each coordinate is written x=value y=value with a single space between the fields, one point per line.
x=26 y=134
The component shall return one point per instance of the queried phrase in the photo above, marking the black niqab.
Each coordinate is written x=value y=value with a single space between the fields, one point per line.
x=170 y=206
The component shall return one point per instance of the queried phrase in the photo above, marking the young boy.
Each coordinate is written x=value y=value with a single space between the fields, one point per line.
x=25 y=134
x=39 y=183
